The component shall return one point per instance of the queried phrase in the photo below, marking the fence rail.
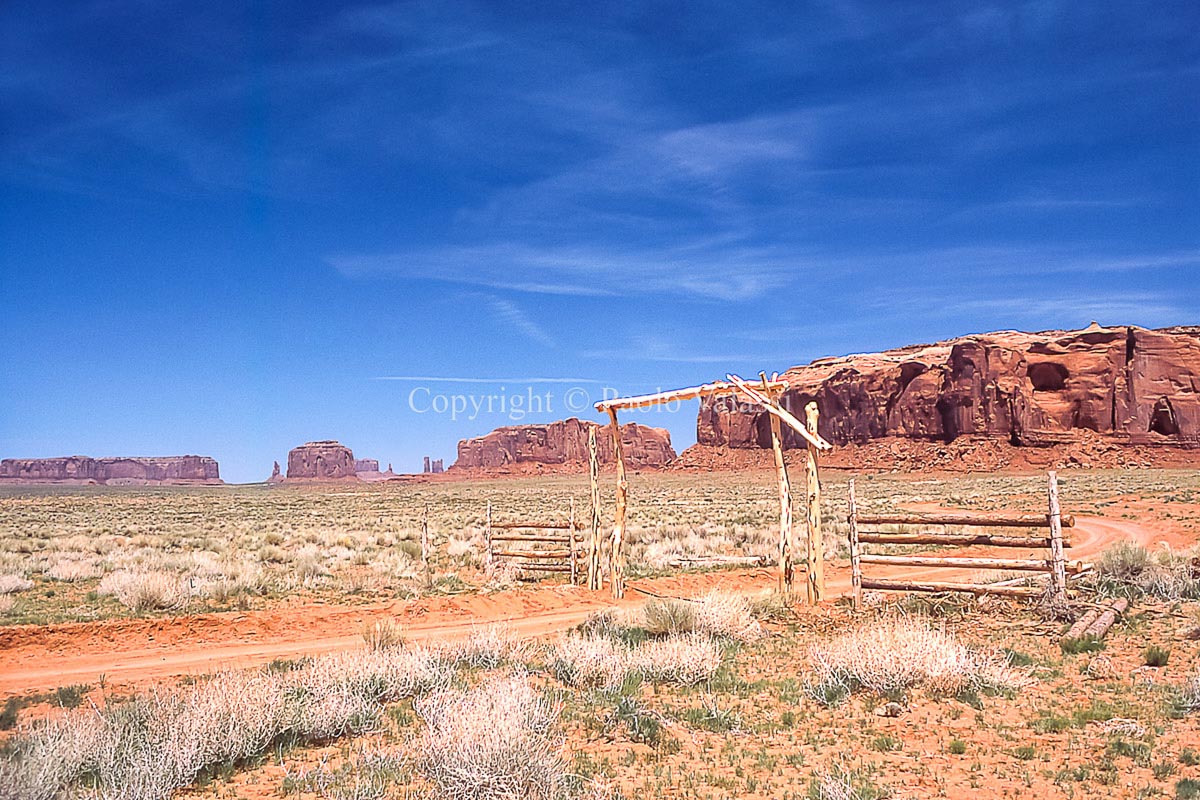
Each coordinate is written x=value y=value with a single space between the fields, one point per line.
x=535 y=556
x=1055 y=564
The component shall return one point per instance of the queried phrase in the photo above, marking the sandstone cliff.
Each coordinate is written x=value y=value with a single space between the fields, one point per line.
x=562 y=444
x=1129 y=385
x=114 y=471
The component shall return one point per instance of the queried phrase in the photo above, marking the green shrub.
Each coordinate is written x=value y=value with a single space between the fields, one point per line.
x=665 y=617
x=958 y=747
x=1156 y=656
x=1187 y=789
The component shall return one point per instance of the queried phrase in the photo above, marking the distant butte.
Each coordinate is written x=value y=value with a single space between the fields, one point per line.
x=561 y=447
x=129 y=471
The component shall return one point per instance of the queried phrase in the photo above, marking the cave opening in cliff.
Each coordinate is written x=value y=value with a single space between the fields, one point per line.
x=1162 y=418
x=1048 y=377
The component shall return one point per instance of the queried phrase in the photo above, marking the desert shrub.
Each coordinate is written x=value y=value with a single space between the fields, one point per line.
x=1128 y=569
x=727 y=616
x=152 y=590
x=1155 y=656
x=612 y=624
x=590 y=662
x=147 y=747
x=11 y=584
x=893 y=655
x=684 y=660
x=70 y=570
x=668 y=616
x=839 y=782
x=487 y=647
x=383 y=634
x=642 y=723
x=7 y=604
x=370 y=776
x=1187 y=697
x=494 y=741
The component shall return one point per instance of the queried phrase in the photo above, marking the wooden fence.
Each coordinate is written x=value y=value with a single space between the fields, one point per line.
x=1054 y=563
x=537 y=546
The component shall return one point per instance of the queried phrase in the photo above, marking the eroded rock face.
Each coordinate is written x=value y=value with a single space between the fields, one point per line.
x=563 y=443
x=1134 y=385
x=324 y=460
x=115 y=471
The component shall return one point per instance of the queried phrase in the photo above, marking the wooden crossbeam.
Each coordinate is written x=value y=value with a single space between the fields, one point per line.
x=545 y=526
x=537 y=539
x=776 y=410
x=706 y=390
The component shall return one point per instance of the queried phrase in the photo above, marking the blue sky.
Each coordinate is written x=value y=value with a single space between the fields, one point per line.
x=224 y=227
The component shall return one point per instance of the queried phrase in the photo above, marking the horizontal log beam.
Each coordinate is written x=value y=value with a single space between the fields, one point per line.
x=965 y=518
x=542 y=567
x=545 y=526
x=972 y=588
x=959 y=539
x=534 y=539
x=706 y=390
x=532 y=554
x=1020 y=564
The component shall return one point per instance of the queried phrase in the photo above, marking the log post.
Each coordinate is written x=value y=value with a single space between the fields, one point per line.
x=425 y=547
x=488 y=533
x=617 y=554
x=1058 y=578
x=816 y=554
x=571 y=546
x=594 y=579
x=787 y=543
x=855 y=566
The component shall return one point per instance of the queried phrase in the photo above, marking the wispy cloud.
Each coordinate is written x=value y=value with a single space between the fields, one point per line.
x=515 y=318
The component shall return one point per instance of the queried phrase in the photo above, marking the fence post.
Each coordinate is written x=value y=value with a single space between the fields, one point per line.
x=488 y=533
x=786 y=537
x=571 y=544
x=816 y=553
x=855 y=566
x=617 y=554
x=594 y=579
x=1058 y=577
x=425 y=547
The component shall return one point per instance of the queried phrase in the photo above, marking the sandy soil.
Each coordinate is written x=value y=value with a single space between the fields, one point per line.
x=130 y=652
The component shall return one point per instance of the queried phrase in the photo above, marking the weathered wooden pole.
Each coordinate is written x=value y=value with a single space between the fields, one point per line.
x=488 y=529
x=617 y=554
x=855 y=566
x=571 y=544
x=816 y=554
x=1058 y=577
x=594 y=578
x=425 y=547
x=787 y=544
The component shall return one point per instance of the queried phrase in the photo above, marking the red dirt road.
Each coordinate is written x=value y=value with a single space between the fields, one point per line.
x=38 y=658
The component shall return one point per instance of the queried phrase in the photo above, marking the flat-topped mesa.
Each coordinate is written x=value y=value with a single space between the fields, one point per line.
x=562 y=444
x=1128 y=384
x=322 y=461
x=133 y=471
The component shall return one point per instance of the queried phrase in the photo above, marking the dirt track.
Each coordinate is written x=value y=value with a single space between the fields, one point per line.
x=37 y=658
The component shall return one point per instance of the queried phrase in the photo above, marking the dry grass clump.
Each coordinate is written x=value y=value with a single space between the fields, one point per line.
x=11 y=584
x=595 y=662
x=145 y=591
x=71 y=570
x=668 y=616
x=7 y=604
x=1128 y=569
x=487 y=647
x=727 y=616
x=146 y=748
x=719 y=614
x=1187 y=699
x=898 y=654
x=685 y=660
x=493 y=742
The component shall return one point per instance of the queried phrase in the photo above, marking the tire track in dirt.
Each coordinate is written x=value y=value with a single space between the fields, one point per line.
x=124 y=652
